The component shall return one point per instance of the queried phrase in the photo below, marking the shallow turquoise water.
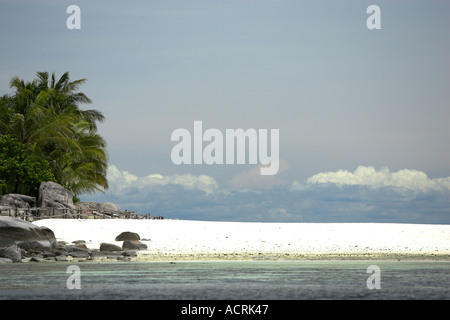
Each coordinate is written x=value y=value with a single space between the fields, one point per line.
x=224 y=280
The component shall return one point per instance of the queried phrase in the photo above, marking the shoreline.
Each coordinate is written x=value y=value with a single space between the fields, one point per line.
x=143 y=257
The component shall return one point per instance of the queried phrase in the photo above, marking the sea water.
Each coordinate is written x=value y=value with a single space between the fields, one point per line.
x=224 y=280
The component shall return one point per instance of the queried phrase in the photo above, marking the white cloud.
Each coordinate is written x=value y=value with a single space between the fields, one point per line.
x=404 y=179
x=122 y=180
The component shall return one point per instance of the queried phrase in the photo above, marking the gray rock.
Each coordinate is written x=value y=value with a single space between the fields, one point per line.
x=87 y=206
x=24 y=253
x=53 y=195
x=60 y=252
x=5 y=260
x=16 y=200
x=36 y=258
x=79 y=254
x=35 y=245
x=133 y=245
x=113 y=255
x=109 y=247
x=94 y=206
x=12 y=252
x=98 y=254
x=72 y=248
x=61 y=258
x=6 y=242
x=76 y=247
x=105 y=254
x=109 y=206
x=19 y=231
x=127 y=235
x=48 y=255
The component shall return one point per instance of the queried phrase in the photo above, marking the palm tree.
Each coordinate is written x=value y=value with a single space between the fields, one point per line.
x=83 y=169
x=64 y=97
x=26 y=114
x=45 y=116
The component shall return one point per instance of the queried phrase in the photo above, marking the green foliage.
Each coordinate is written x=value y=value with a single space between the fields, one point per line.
x=45 y=117
x=21 y=171
x=75 y=199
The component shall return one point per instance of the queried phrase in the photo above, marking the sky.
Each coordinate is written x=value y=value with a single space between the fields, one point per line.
x=363 y=114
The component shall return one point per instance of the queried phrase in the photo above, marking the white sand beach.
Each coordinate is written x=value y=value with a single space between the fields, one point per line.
x=194 y=240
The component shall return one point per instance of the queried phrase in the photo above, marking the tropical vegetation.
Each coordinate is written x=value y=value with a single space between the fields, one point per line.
x=47 y=131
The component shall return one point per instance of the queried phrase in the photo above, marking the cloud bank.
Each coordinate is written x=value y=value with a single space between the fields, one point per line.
x=411 y=180
x=364 y=195
x=121 y=181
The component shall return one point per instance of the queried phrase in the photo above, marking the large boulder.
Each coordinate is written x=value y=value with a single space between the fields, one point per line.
x=127 y=235
x=19 y=231
x=17 y=200
x=53 y=195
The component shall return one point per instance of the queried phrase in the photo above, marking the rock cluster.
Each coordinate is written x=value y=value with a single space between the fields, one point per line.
x=131 y=241
x=94 y=206
x=53 y=196
x=22 y=241
x=18 y=238
x=15 y=200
